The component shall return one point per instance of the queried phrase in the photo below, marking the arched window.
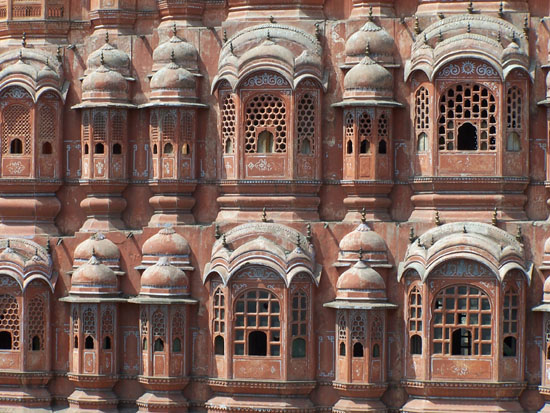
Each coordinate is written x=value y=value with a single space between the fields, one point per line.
x=510 y=322
x=219 y=321
x=86 y=149
x=376 y=351
x=382 y=134
x=358 y=334
x=158 y=330
x=365 y=133
x=257 y=314
x=298 y=324
x=382 y=148
x=416 y=344
x=99 y=148
x=47 y=148
x=462 y=322
x=342 y=334
x=36 y=311
x=513 y=142
x=422 y=143
x=342 y=349
x=168 y=148
x=228 y=124
x=422 y=114
x=265 y=111
x=89 y=327
x=5 y=340
x=107 y=343
x=16 y=129
x=349 y=132
x=89 y=343
x=306 y=123
x=159 y=345
x=16 y=146
x=219 y=346
x=176 y=345
x=117 y=149
x=9 y=323
x=514 y=118
x=265 y=142
x=185 y=149
x=357 y=350
x=415 y=320
x=144 y=329
x=467 y=119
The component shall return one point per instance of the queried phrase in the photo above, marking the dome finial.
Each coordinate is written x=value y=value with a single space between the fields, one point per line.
x=173 y=56
x=367 y=49
x=24 y=39
x=102 y=59
x=495 y=216
x=360 y=258
x=106 y=37
x=370 y=14
x=363 y=215
x=501 y=10
x=470 y=7
x=268 y=36
x=174 y=30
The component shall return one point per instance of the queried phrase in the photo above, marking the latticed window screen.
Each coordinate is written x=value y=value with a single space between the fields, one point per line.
x=46 y=124
x=298 y=324
x=177 y=325
x=358 y=326
x=415 y=310
x=514 y=125
x=422 y=119
x=9 y=318
x=100 y=125
x=462 y=323
x=159 y=325
x=118 y=122
x=219 y=312
x=257 y=311
x=88 y=322
x=228 y=124
x=365 y=132
x=510 y=322
x=153 y=121
x=75 y=321
x=144 y=329
x=17 y=124
x=169 y=127
x=350 y=132
x=265 y=111
x=306 y=123
x=36 y=311
x=107 y=322
x=467 y=113
x=342 y=334
x=86 y=125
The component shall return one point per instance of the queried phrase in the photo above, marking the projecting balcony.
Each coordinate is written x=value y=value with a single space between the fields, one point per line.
x=32 y=10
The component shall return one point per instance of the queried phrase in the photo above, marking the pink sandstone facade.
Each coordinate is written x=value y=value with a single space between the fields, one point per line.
x=275 y=206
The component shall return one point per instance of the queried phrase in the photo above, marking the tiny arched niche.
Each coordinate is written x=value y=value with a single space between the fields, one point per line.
x=176 y=345
x=349 y=147
x=99 y=148
x=228 y=146
x=107 y=343
x=416 y=344
x=422 y=144
x=75 y=342
x=86 y=149
x=168 y=148
x=159 y=345
x=16 y=146
x=89 y=343
x=376 y=351
x=47 y=148
x=365 y=146
x=548 y=353
x=117 y=149
x=35 y=345
x=513 y=143
x=305 y=148
x=467 y=137
x=382 y=147
x=155 y=149
x=265 y=142
x=144 y=344
x=219 y=346
x=5 y=340
x=257 y=343
x=342 y=349
x=298 y=348
x=461 y=342
x=358 y=350
x=185 y=150
x=509 y=347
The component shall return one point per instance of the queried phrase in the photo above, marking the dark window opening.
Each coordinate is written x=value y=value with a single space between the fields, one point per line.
x=219 y=348
x=155 y=149
x=257 y=343
x=382 y=147
x=35 y=346
x=265 y=142
x=349 y=147
x=185 y=149
x=416 y=344
x=461 y=342
x=358 y=350
x=176 y=345
x=168 y=148
x=107 y=343
x=16 y=146
x=47 y=148
x=86 y=149
x=5 y=340
x=228 y=145
x=376 y=351
x=298 y=348
x=305 y=147
x=144 y=344
x=513 y=143
x=159 y=345
x=548 y=353
x=422 y=145
x=117 y=149
x=467 y=137
x=342 y=349
x=509 y=347
x=89 y=343
x=75 y=342
x=99 y=148
x=365 y=146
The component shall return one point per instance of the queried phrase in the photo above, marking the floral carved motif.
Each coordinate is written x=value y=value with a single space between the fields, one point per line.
x=261 y=165
x=468 y=68
x=265 y=79
x=462 y=268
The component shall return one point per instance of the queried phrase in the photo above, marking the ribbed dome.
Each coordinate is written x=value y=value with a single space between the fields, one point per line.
x=110 y=57
x=99 y=246
x=361 y=281
x=48 y=73
x=362 y=238
x=104 y=80
x=512 y=51
x=379 y=41
x=164 y=278
x=166 y=242
x=94 y=276
x=173 y=76
x=267 y=50
x=185 y=54
x=368 y=75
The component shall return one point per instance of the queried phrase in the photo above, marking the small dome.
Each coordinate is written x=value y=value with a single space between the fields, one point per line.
x=20 y=68
x=166 y=242
x=185 y=54
x=267 y=50
x=378 y=40
x=173 y=76
x=10 y=255
x=99 y=246
x=48 y=73
x=104 y=80
x=94 y=275
x=110 y=57
x=308 y=59
x=368 y=75
x=361 y=281
x=363 y=238
x=163 y=276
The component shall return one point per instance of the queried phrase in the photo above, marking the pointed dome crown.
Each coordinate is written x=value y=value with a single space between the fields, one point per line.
x=166 y=243
x=368 y=79
x=268 y=49
x=361 y=281
x=94 y=277
x=163 y=278
x=363 y=240
x=105 y=80
x=184 y=54
x=110 y=57
x=379 y=40
x=100 y=247
x=173 y=76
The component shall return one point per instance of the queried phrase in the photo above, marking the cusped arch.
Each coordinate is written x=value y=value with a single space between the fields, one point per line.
x=281 y=249
x=479 y=243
